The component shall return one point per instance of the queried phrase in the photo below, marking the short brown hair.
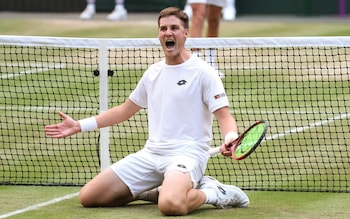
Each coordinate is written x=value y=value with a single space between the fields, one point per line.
x=176 y=12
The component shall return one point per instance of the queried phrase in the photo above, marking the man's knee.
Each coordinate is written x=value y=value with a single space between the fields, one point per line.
x=171 y=206
x=85 y=199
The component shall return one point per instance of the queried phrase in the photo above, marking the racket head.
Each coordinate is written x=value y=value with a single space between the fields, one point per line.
x=247 y=142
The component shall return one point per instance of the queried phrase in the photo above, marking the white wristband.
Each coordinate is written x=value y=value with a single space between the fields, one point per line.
x=229 y=137
x=88 y=124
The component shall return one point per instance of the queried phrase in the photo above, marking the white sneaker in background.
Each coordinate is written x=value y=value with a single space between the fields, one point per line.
x=188 y=11
x=210 y=61
x=118 y=14
x=228 y=196
x=229 y=13
x=88 y=13
x=221 y=74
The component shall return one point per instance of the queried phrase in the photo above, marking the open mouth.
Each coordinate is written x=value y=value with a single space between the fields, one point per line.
x=170 y=44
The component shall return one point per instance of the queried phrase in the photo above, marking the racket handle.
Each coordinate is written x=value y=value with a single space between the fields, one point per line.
x=214 y=151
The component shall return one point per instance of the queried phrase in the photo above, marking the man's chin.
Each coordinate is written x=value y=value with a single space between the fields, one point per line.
x=170 y=52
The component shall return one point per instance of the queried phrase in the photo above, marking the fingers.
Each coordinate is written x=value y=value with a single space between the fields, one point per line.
x=53 y=131
x=225 y=151
x=62 y=115
x=64 y=129
x=51 y=128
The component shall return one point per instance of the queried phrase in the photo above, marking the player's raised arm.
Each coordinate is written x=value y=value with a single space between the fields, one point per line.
x=66 y=128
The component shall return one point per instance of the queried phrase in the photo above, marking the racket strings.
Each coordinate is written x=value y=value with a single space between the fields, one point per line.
x=250 y=139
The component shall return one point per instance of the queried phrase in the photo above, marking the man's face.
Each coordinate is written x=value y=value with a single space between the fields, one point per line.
x=172 y=36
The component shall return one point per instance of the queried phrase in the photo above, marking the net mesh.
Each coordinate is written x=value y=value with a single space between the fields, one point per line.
x=299 y=85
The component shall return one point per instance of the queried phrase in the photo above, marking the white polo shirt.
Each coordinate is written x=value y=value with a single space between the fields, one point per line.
x=180 y=100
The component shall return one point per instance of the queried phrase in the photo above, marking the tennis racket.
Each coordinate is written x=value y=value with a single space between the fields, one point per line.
x=246 y=143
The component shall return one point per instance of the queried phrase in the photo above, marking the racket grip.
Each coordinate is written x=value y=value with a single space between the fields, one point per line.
x=214 y=151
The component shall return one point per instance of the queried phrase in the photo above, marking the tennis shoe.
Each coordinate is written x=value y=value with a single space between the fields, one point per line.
x=228 y=195
x=221 y=74
x=88 y=13
x=118 y=15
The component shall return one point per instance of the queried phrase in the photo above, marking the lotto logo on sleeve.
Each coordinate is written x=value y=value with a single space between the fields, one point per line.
x=219 y=96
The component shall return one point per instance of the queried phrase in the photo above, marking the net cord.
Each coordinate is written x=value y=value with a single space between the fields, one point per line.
x=190 y=43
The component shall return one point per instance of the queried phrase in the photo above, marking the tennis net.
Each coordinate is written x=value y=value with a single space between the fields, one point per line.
x=300 y=85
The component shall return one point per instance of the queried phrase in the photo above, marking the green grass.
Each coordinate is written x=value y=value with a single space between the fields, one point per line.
x=243 y=27
x=263 y=204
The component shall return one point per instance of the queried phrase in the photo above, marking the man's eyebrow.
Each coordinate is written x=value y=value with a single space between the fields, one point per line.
x=171 y=26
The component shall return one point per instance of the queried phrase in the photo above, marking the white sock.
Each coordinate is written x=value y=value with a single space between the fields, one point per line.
x=119 y=7
x=150 y=195
x=230 y=3
x=211 y=196
x=91 y=6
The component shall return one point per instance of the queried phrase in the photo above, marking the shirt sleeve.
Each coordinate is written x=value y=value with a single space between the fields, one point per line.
x=214 y=92
x=139 y=94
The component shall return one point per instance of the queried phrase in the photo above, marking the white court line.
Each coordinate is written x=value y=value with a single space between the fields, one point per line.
x=43 y=108
x=309 y=126
x=11 y=75
x=39 y=205
x=35 y=71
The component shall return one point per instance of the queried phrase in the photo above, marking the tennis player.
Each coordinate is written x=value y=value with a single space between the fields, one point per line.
x=228 y=12
x=210 y=11
x=182 y=95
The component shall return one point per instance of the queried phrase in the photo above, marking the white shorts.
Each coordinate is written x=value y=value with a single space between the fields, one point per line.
x=143 y=170
x=220 y=3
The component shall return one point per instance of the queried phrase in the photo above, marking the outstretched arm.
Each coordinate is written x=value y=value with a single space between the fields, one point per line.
x=112 y=116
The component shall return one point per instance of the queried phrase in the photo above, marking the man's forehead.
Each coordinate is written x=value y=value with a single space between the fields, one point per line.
x=169 y=21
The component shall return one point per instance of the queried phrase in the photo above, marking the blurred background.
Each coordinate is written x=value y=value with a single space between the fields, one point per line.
x=243 y=7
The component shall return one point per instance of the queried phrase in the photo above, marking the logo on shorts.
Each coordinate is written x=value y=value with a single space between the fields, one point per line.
x=182 y=166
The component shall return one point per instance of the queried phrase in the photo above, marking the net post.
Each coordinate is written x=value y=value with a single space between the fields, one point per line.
x=104 y=132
